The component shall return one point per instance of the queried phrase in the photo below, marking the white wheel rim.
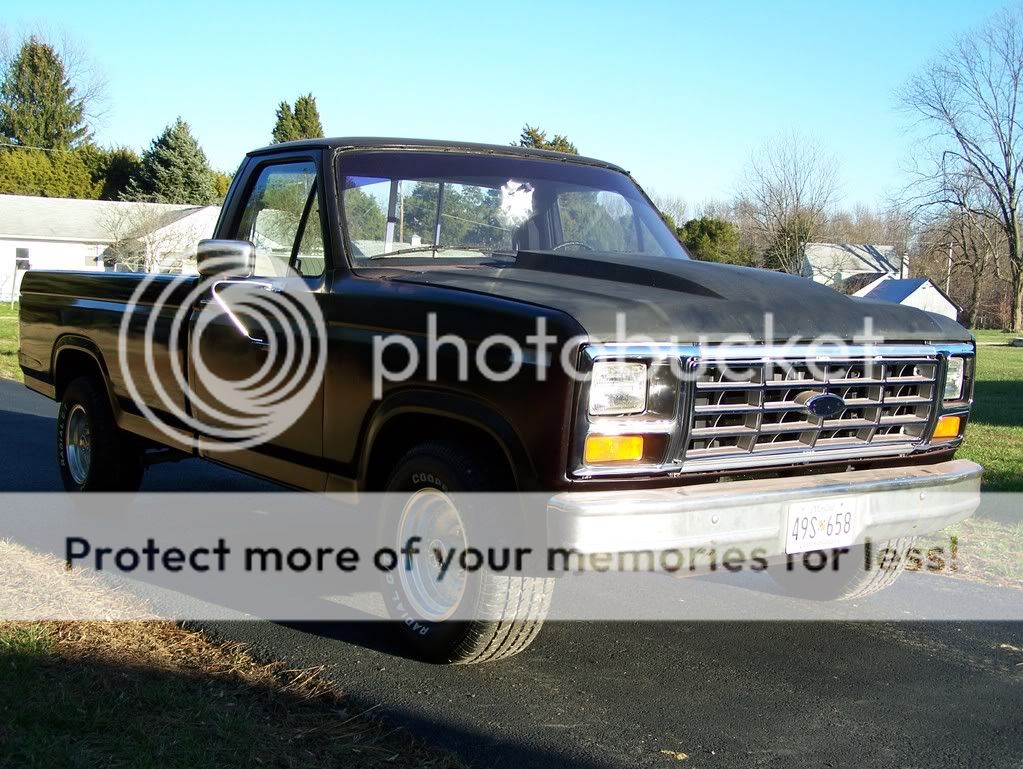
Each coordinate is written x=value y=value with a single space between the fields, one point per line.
x=78 y=444
x=431 y=515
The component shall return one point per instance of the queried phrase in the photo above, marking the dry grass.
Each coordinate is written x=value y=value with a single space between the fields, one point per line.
x=984 y=551
x=37 y=587
x=151 y=693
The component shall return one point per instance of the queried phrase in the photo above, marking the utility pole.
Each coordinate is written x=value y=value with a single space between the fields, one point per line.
x=948 y=272
x=401 y=212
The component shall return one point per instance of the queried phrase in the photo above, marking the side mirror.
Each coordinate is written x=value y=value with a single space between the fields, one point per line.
x=225 y=258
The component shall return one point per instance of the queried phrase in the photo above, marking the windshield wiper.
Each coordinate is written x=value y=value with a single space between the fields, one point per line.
x=434 y=249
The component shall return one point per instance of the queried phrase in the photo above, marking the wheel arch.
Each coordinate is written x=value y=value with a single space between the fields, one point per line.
x=75 y=356
x=412 y=417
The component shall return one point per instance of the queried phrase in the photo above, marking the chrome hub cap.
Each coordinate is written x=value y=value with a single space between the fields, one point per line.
x=433 y=578
x=78 y=445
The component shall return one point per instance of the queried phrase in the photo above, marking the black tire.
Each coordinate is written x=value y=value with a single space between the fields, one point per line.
x=448 y=467
x=115 y=458
x=852 y=579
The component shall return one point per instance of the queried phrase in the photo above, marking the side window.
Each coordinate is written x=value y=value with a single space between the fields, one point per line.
x=274 y=215
x=21 y=260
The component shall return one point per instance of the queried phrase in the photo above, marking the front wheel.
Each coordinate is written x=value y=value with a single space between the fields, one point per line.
x=514 y=607
x=92 y=452
x=854 y=575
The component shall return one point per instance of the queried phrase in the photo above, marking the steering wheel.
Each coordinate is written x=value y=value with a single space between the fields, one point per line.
x=572 y=243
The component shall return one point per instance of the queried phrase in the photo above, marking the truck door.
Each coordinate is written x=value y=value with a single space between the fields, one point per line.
x=258 y=345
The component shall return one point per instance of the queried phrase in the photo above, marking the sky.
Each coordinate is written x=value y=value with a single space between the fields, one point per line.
x=679 y=93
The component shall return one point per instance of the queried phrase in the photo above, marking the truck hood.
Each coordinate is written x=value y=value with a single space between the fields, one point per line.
x=687 y=300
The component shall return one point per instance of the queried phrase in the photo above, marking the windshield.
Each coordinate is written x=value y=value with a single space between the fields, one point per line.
x=413 y=205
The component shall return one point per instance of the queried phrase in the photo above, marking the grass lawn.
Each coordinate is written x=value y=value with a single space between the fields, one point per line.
x=9 y=342
x=993 y=336
x=994 y=436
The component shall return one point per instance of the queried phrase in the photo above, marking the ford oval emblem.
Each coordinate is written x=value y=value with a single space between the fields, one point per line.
x=824 y=405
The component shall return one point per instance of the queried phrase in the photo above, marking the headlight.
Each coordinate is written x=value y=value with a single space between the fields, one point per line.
x=617 y=388
x=955 y=373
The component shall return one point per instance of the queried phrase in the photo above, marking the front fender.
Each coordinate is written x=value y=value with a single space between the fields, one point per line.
x=470 y=411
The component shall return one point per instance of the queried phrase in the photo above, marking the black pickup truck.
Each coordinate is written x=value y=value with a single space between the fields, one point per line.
x=385 y=314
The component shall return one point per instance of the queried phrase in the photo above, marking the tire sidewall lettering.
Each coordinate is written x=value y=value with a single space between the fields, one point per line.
x=428 y=480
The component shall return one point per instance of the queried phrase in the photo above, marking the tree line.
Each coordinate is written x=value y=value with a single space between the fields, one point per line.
x=47 y=146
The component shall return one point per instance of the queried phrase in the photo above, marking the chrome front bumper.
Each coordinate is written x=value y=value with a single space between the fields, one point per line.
x=751 y=515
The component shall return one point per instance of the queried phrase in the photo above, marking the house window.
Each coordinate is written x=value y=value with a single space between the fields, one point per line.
x=21 y=259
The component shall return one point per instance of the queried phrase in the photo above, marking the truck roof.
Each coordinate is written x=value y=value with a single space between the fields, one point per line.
x=380 y=142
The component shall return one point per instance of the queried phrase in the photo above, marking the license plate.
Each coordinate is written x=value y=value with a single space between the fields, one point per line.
x=822 y=524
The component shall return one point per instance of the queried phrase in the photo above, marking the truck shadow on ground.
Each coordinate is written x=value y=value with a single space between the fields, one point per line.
x=998 y=402
x=80 y=711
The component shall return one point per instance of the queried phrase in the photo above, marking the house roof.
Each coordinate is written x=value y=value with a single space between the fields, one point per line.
x=857 y=282
x=835 y=258
x=80 y=221
x=898 y=289
x=895 y=290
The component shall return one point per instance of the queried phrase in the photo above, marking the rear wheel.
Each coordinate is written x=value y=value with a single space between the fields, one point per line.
x=859 y=572
x=92 y=452
x=514 y=607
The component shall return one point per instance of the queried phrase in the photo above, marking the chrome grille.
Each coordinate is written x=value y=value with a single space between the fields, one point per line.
x=750 y=408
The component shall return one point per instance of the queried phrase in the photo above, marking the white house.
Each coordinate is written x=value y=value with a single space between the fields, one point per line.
x=836 y=263
x=63 y=234
x=915 y=292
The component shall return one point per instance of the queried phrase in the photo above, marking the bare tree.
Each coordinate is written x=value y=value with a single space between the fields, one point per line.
x=975 y=242
x=967 y=102
x=673 y=206
x=788 y=188
x=714 y=208
x=148 y=238
x=887 y=225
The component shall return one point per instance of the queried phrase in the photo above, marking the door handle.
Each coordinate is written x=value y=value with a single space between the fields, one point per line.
x=260 y=343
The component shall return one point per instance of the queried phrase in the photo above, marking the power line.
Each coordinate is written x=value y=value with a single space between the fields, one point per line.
x=30 y=147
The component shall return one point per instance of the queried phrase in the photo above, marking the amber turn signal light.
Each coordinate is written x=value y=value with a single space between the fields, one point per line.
x=947 y=427
x=601 y=449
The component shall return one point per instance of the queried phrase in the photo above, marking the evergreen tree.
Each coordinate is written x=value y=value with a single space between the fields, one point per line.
x=300 y=122
x=112 y=169
x=286 y=129
x=307 y=116
x=122 y=165
x=363 y=215
x=38 y=104
x=222 y=183
x=174 y=170
x=532 y=136
x=45 y=174
x=714 y=240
